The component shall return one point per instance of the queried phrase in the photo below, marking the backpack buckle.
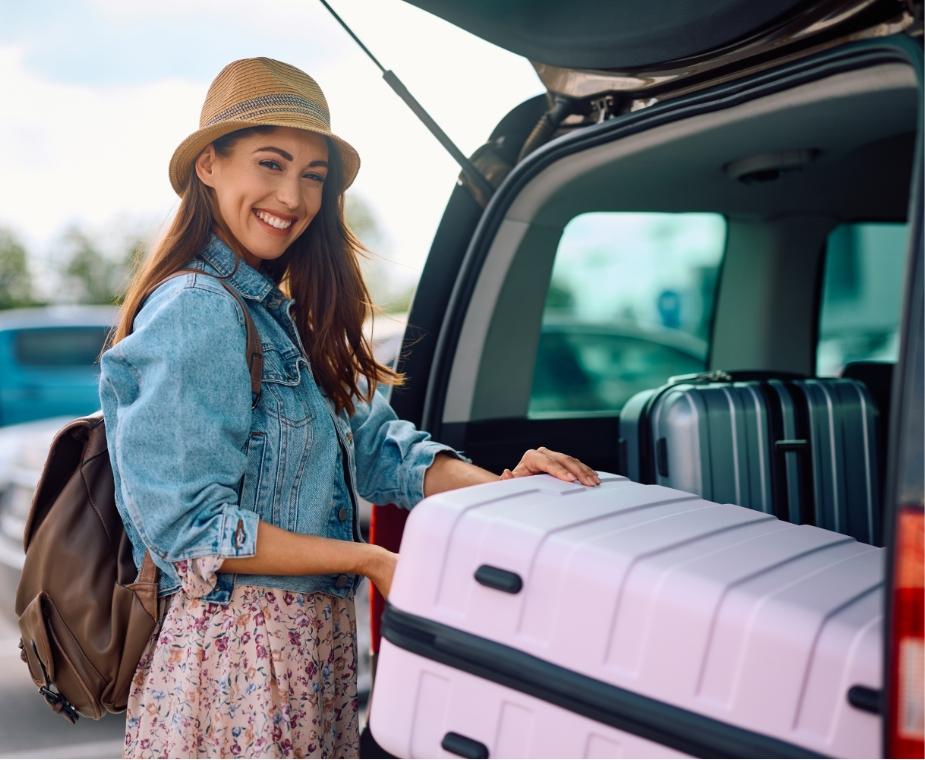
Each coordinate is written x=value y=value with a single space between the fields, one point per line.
x=59 y=703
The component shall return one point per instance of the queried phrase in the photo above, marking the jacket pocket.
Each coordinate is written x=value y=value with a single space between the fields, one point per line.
x=285 y=395
x=253 y=471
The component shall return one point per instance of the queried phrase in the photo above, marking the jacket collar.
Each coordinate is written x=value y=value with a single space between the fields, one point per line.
x=244 y=278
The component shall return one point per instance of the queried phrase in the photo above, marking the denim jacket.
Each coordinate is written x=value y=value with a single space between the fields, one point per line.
x=196 y=467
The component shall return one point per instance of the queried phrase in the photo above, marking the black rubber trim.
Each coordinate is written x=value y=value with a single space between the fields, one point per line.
x=499 y=578
x=866 y=699
x=625 y=710
x=463 y=746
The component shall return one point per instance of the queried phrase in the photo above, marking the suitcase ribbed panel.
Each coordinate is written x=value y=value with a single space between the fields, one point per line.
x=720 y=610
x=508 y=722
x=716 y=442
x=843 y=429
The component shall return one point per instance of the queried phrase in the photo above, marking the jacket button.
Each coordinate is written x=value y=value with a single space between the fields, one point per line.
x=342 y=514
x=342 y=581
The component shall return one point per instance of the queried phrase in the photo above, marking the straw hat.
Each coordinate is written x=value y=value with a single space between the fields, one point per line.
x=260 y=92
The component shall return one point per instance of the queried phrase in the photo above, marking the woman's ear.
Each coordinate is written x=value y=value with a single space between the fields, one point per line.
x=205 y=166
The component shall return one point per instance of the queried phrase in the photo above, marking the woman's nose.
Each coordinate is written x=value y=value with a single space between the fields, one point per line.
x=288 y=192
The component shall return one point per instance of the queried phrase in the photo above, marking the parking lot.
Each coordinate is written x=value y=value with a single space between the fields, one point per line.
x=30 y=729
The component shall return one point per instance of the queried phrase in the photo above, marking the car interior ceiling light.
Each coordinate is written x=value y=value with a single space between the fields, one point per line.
x=767 y=167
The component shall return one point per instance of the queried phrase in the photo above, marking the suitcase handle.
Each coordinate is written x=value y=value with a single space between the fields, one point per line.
x=800 y=447
x=500 y=579
x=463 y=746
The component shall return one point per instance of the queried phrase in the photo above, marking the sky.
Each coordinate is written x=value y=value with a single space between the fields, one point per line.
x=97 y=94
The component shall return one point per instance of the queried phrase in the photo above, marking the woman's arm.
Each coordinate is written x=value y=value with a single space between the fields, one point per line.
x=447 y=472
x=281 y=552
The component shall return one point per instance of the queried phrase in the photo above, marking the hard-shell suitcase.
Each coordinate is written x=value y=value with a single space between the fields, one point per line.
x=533 y=618
x=804 y=450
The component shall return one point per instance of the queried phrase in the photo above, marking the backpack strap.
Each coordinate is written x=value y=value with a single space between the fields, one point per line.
x=254 y=348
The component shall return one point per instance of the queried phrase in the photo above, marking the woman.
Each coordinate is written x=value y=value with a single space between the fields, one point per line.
x=247 y=508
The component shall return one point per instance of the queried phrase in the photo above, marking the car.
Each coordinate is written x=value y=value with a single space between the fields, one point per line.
x=746 y=174
x=598 y=367
x=585 y=365
x=49 y=360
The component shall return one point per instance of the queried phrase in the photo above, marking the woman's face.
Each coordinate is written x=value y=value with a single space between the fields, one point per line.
x=268 y=188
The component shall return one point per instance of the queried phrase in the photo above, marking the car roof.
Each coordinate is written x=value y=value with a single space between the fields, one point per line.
x=58 y=316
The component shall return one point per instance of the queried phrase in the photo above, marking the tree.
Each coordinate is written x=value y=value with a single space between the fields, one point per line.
x=91 y=276
x=15 y=279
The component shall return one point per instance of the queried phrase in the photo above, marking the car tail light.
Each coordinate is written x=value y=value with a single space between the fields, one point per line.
x=906 y=735
x=386 y=525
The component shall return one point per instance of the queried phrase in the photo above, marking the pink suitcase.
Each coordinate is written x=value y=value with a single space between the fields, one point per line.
x=535 y=618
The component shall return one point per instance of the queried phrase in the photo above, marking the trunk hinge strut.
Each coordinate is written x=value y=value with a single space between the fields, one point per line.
x=472 y=173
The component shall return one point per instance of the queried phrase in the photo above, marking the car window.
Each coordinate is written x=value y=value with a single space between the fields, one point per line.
x=629 y=304
x=60 y=347
x=861 y=295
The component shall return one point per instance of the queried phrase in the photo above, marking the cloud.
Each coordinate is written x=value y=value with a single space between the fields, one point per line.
x=85 y=153
x=82 y=144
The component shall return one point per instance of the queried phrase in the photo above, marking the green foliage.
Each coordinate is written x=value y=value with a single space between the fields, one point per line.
x=91 y=276
x=15 y=278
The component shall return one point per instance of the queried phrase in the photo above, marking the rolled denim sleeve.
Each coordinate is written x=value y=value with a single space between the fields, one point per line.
x=176 y=398
x=392 y=455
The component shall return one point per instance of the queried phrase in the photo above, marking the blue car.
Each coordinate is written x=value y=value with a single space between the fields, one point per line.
x=49 y=361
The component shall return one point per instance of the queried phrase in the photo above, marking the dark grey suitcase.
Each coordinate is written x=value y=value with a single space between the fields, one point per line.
x=843 y=434
x=803 y=450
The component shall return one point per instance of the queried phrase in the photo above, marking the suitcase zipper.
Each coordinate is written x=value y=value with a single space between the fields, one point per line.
x=675 y=727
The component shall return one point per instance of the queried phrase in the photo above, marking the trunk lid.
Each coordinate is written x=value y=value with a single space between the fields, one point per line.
x=586 y=48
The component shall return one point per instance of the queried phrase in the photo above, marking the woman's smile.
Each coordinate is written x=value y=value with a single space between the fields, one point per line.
x=275 y=224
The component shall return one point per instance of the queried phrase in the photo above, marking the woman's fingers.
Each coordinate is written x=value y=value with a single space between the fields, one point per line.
x=555 y=463
x=578 y=468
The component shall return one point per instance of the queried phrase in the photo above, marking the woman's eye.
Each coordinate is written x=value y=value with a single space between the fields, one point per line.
x=270 y=164
x=315 y=177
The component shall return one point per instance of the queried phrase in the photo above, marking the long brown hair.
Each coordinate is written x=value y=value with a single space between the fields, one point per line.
x=320 y=270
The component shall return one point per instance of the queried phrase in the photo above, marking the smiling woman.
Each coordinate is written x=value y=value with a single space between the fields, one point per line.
x=243 y=423
x=266 y=193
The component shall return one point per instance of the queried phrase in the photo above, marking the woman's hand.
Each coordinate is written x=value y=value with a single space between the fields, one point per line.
x=380 y=568
x=562 y=466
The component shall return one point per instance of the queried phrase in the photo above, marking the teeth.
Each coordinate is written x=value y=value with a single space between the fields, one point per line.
x=274 y=221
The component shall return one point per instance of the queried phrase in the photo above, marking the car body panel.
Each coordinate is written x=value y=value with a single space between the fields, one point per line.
x=49 y=361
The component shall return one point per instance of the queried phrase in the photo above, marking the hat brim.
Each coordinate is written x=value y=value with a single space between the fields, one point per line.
x=181 y=163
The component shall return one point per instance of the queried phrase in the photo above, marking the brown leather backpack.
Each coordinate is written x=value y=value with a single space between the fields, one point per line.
x=85 y=612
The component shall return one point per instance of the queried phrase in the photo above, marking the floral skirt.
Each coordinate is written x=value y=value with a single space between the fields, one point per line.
x=272 y=674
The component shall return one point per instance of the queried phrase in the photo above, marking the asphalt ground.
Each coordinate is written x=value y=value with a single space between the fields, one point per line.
x=29 y=728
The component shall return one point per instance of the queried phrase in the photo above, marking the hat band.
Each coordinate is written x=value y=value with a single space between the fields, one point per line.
x=269 y=104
